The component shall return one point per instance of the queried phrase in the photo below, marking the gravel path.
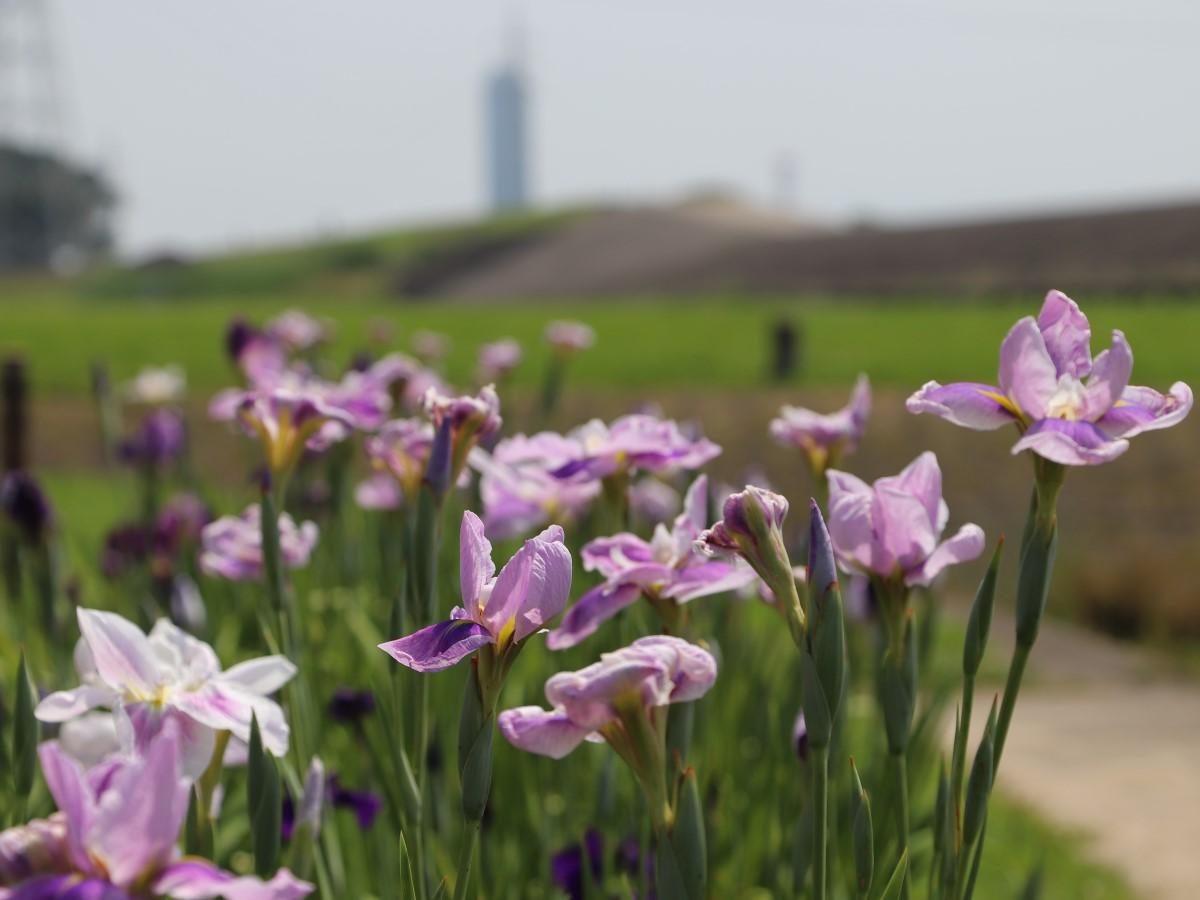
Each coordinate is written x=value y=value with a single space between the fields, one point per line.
x=1106 y=741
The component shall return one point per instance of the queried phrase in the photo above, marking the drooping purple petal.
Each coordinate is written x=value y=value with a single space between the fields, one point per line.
x=964 y=546
x=438 y=646
x=590 y=611
x=706 y=578
x=198 y=879
x=223 y=706
x=611 y=556
x=1071 y=443
x=1145 y=409
x=981 y=407
x=547 y=733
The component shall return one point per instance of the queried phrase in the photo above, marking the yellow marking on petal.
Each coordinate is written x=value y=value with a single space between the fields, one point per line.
x=1003 y=401
x=504 y=638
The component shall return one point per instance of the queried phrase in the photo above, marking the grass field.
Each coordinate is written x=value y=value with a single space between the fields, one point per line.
x=712 y=342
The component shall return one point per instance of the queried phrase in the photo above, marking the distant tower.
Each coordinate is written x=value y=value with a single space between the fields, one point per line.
x=507 y=131
x=785 y=178
x=30 y=116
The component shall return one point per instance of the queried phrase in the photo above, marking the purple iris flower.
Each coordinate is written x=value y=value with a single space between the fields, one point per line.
x=25 y=505
x=159 y=439
x=669 y=568
x=652 y=501
x=350 y=706
x=401 y=450
x=893 y=528
x=231 y=547
x=650 y=673
x=166 y=677
x=379 y=492
x=498 y=359
x=519 y=494
x=468 y=419
x=297 y=330
x=566 y=866
x=120 y=825
x=261 y=358
x=289 y=416
x=364 y=804
x=634 y=443
x=825 y=438
x=1069 y=408
x=501 y=610
x=431 y=347
x=568 y=338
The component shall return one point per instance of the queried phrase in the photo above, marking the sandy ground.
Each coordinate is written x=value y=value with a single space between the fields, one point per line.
x=1106 y=741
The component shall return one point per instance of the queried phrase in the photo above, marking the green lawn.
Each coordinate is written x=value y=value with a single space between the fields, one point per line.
x=664 y=343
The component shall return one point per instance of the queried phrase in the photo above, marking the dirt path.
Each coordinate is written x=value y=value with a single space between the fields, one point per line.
x=1106 y=740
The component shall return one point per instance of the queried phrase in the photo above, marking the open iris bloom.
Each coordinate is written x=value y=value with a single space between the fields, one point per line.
x=633 y=443
x=891 y=530
x=170 y=676
x=231 y=546
x=519 y=492
x=669 y=571
x=1070 y=409
x=498 y=611
x=115 y=837
x=825 y=439
x=498 y=359
x=401 y=449
x=568 y=338
x=623 y=701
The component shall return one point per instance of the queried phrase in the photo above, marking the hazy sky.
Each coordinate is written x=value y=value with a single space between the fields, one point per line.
x=228 y=121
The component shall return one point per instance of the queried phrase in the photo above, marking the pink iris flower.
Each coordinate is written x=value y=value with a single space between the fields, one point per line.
x=893 y=528
x=116 y=836
x=501 y=610
x=650 y=673
x=669 y=567
x=1069 y=408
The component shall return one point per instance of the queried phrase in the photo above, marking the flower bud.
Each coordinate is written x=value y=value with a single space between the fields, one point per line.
x=25 y=506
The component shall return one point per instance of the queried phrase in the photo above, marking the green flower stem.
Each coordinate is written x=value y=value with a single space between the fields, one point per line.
x=466 y=854
x=819 y=761
x=899 y=765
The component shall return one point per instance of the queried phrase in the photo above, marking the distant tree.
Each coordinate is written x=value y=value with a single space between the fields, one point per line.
x=50 y=209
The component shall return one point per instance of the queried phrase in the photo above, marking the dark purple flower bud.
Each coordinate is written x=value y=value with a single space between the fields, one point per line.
x=566 y=866
x=361 y=362
x=822 y=572
x=287 y=821
x=181 y=521
x=350 y=706
x=25 y=506
x=366 y=805
x=125 y=546
x=159 y=439
x=238 y=334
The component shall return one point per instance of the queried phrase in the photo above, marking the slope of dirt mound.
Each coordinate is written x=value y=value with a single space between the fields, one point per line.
x=619 y=251
x=715 y=248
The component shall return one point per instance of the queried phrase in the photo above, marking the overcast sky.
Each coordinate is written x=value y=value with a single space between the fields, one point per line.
x=233 y=121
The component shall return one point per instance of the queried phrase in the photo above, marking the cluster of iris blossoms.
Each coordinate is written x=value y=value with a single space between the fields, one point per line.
x=155 y=716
